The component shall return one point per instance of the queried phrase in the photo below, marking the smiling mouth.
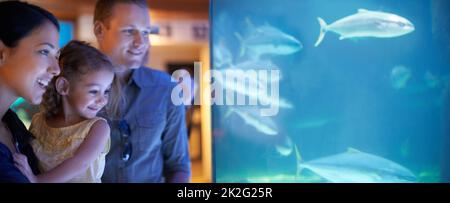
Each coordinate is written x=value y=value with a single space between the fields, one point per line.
x=43 y=83
x=93 y=109
x=135 y=53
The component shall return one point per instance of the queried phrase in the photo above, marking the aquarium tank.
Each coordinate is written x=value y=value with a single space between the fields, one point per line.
x=330 y=91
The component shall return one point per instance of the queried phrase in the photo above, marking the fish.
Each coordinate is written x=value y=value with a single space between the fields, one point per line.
x=249 y=87
x=262 y=124
x=400 y=76
x=355 y=166
x=267 y=39
x=366 y=23
x=222 y=56
x=284 y=146
x=431 y=80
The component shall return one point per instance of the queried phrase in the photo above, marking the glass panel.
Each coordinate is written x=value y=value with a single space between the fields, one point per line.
x=363 y=90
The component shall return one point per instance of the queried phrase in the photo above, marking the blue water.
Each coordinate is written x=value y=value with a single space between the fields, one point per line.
x=66 y=32
x=383 y=96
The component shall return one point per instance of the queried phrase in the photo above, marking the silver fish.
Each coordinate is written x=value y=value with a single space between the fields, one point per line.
x=284 y=145
x=400 y=76
x=262 y=124
x=222 y=56
x=267 y=39
x=249 y=86
x=355 y=166
x=367 y=23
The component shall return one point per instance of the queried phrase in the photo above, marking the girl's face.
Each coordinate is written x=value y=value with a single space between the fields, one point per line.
x=29 y=67
x=89 y=93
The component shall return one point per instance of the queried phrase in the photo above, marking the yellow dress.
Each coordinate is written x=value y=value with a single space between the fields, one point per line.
x=54 y=145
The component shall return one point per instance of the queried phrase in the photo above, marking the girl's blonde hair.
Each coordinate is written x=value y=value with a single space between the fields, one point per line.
x=78 y=58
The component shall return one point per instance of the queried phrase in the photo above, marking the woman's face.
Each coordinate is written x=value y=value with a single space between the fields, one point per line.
x=28 y=68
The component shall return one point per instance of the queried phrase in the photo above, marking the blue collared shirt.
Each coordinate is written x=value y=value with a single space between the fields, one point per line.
x=158 y=131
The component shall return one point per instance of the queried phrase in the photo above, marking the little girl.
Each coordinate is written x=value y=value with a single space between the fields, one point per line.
x=71 y=141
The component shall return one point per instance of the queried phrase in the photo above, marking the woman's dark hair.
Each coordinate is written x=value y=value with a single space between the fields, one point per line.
x=19 y=19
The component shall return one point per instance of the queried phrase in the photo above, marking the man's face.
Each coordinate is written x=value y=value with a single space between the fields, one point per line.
x=126 y=39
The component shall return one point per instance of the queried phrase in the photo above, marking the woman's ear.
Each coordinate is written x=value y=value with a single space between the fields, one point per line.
x=2 y=52
x=99 y=30
x=62 y=86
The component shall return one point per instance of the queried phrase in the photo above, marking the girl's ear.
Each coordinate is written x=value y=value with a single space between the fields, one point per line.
x=62 y=86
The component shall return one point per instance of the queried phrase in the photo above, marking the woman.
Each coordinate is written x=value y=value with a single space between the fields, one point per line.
x=28 y=61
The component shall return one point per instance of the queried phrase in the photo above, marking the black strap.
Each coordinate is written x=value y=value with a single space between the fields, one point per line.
x=21 y=138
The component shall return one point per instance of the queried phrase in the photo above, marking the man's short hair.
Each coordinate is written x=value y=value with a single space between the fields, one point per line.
x=104 y=8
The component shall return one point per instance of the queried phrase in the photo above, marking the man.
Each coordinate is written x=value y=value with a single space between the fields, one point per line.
x=148 y=141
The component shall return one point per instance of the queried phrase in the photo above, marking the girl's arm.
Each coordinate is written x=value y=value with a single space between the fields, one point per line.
x=88 y=151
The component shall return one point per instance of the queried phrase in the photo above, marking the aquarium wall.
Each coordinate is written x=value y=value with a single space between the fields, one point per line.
x=330 y=91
